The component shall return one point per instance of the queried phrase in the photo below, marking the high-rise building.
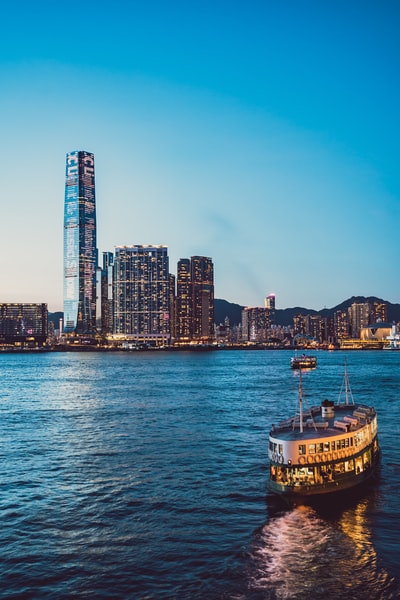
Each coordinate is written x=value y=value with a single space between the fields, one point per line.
x=172 y=306
x=106 y=293
x=202 y=291
x=80 y=254
x=341 y=324
x=195 y=300
x=257 y=321
x=183 y=301
x=359 y=317
x=269 y=303
x=256 y=324
x=379 y=312
x=23 y=324
x=141 y=294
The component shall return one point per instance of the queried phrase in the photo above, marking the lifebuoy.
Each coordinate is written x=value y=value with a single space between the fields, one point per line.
x=329 y=456
x=273 y=456
x=317 y=458
x=302 y=460
x=323 y=456
x=334 y=455
x=310 y=459
x=280 y=458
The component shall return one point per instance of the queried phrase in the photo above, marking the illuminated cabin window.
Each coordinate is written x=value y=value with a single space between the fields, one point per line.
x=302 y=449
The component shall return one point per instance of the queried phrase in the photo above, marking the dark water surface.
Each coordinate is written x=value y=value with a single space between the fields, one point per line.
x=143 y=475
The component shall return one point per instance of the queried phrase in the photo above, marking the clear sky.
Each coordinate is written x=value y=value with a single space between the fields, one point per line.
x=263 y=134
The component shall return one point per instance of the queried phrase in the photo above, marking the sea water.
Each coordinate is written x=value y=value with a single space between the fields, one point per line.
x=141 y=475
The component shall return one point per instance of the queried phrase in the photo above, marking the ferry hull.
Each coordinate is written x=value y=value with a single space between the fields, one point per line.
x=319 y=493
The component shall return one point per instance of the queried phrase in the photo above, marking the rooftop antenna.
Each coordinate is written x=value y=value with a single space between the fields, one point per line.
x=300 y=403
x=346 y=387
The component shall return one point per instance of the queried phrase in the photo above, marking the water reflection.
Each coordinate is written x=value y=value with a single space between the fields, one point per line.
x=300 y=554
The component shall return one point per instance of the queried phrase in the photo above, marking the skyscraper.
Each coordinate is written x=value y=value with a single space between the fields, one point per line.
x=195 y=300
x=183 y=301
x=142 y=293
x=80 y=254
x=106 y=293
x=202 y=282
x=269 y=303
x=359 y=317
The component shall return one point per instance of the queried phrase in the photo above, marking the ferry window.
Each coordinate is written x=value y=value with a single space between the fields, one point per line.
x=333 y=446
x=342 y=443
x=326 y=446
x=320 y=447
x=302 y=449
x=351 y=441
x=346 y=442
x=311 y=448
x=280 y=448
x=270 y=446
x=275 y=446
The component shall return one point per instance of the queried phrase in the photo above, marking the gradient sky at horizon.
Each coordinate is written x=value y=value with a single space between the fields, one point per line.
x=263 y=134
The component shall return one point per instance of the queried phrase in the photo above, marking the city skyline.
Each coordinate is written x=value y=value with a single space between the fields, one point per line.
x=266 y=137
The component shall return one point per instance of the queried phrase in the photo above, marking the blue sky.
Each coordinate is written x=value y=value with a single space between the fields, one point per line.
x=263 y=134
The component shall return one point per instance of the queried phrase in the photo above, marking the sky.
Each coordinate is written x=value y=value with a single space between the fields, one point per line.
x=263 y=134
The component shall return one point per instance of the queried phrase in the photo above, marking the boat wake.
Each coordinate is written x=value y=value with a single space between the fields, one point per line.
x=298 y=555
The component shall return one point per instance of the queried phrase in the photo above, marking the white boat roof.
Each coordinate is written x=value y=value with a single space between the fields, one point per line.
x=347 y=418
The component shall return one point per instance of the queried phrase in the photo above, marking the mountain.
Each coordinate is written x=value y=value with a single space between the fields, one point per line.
x=284 y=317
x=55 y=318
x=223 y=309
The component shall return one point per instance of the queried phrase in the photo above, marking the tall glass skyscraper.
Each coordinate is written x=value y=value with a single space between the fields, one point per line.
x=80 y=254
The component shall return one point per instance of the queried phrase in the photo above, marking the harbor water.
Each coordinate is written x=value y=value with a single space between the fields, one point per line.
x=141 y=475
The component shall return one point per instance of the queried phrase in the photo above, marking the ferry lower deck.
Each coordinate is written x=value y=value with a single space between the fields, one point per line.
x=325 y=477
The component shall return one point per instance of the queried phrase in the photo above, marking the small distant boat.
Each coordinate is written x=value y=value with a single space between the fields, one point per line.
x=303 y=362
x=324 y=450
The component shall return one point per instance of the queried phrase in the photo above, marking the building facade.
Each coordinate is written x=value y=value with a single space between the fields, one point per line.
x=106 y=293
x=379 y=312
x=359 y=317
x=141 y=294
x=23 y=324
x=194 y=315
x=183 y=301
x=341 y=324
x=202 y=290
x=269 y=303
x=80 y=254
x=256 y=324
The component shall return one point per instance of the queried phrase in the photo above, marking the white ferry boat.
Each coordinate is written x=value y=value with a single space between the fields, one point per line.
x=303 y=362
x=324 y=450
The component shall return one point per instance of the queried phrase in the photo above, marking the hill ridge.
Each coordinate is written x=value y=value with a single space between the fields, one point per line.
x=285 y=316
